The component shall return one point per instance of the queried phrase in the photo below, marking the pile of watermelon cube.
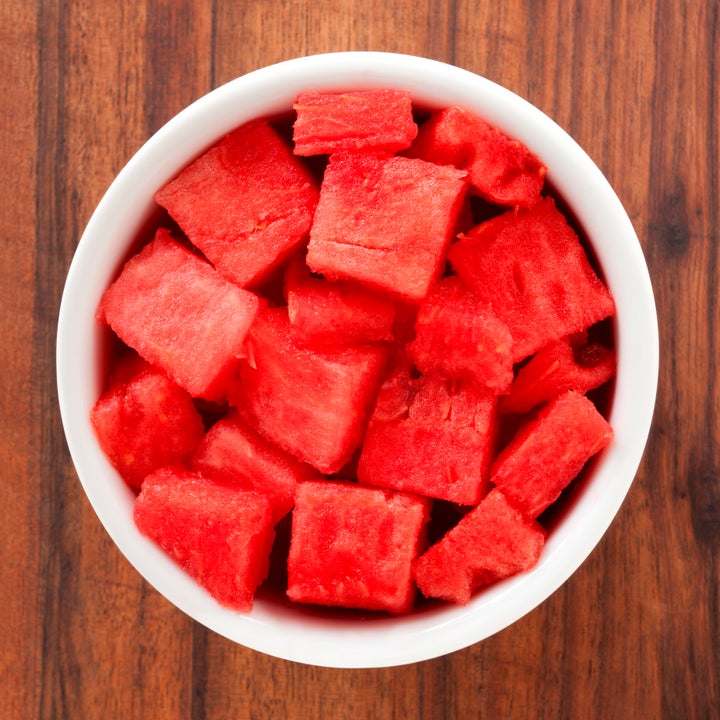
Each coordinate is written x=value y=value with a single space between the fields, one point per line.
x=371 y=326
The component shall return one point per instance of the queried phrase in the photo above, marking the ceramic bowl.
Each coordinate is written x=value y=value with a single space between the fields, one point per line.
x=126 y=210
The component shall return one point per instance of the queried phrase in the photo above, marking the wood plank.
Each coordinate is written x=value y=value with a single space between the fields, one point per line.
x=20 y=537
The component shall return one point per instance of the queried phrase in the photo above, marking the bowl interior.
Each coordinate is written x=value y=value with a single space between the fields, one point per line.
x=127 y=211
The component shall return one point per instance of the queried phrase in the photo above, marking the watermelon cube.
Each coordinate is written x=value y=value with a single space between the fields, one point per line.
x=500 y=169
x=549 y=451
x=247 y=203
x=530 y=266
x=430 y=436
x=335 y=313
x=492 y=542
x=570 y=363
x=355 y=120
x=354 y=546
x=385 y=221
x=180 y=315
x=146 y=422
x=220 y=534
x=232 y=451
x=312 y=401
x=458 y=336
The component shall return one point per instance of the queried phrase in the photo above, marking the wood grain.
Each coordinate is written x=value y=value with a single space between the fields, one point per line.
x=635 y=633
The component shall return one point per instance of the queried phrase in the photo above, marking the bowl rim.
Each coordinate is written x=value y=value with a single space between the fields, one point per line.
x=293 y=634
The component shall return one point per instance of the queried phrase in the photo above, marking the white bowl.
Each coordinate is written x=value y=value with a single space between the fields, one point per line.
x=295 y=633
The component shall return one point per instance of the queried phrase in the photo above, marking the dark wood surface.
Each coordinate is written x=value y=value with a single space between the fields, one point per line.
x=635 y=633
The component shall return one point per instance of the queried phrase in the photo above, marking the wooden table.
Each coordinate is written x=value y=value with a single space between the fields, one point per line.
x=635 y=633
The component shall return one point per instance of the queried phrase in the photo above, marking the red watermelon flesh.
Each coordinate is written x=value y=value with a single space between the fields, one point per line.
x=221 y=535
x=396 y=393
x=312 y=401
x=298 y=398
x=492 y=542
x=529 y=265
x=354 y=546
x=355 y=120
x=385 y=221
x=570 y=363
x=335 y=313
x=458 y=336
x=549 y=451
x=500 y=169
x=431 y=437
x=180 y=315
x=232 y=451
x=247 y=203
x=146 y=422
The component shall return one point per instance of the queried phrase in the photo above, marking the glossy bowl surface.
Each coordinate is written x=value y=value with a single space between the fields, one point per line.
x=292 y=632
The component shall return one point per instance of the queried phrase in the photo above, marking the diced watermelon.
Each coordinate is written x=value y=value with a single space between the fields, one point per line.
x=492 y=542
x=354 y=120
x=431 y=437
x=312 y=401
x=549 y=451
x=385 y=221
x=232 y=451
x=499 y=168
x=566 y=364
x=247 y=203
x=180 y=315
x=146 y=422
x=335 y=313
x=530 y=266
x=458 y=336
x=354 y=546
x=399 y=388
x=221 y=535
x=365 y=388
